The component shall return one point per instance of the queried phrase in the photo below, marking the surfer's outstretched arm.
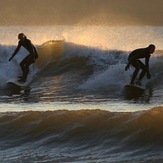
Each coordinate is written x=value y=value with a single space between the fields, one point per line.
x=15 y=52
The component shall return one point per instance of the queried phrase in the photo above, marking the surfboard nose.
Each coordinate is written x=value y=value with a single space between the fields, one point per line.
x=133 y=92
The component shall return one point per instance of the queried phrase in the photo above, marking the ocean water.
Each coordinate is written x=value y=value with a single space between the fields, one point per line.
x=74 y=107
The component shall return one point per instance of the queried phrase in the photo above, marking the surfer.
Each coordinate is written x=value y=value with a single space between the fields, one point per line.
x=29 y=59
x=133 y=59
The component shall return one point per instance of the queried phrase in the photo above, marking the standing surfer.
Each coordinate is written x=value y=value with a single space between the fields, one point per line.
x=29 y=59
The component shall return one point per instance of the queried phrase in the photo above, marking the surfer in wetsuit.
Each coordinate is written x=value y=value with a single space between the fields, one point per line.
x=29 y=59
x=133 y=59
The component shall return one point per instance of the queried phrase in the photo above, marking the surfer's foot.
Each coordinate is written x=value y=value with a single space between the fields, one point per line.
x=22 y=80
x=20 y=77
x=132 y=83
x=138 y=83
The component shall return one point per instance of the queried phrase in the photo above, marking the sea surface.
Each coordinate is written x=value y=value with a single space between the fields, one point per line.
x=74 y=107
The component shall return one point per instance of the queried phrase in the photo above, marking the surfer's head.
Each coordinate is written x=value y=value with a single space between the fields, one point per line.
x=21 y=36
x=151 y=48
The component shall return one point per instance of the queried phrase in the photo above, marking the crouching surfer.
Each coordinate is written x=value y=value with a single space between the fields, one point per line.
x=133 y=59
x=29 y=59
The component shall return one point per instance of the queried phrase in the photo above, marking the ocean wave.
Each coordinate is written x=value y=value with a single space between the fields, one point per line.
x=86 y=127
x=91 y=64
x=79 y=68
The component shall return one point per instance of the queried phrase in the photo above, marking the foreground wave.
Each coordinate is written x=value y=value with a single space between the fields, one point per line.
x=82 y=135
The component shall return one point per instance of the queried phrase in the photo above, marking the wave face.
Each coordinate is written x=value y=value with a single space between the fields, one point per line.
x=82 y=136
x=64 y=69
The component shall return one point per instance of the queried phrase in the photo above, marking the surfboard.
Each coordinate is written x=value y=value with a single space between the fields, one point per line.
x=15 y=87
x=133 y=91
x=134 y=87
x=15 y=82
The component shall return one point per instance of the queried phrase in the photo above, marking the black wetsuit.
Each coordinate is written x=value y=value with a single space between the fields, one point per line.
x=135 y=62
x=29 y=59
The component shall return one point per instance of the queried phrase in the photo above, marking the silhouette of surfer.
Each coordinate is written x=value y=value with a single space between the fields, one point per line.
x=29 y=59
x=133 y=59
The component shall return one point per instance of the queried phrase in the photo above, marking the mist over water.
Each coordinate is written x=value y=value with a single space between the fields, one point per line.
x=105 y=37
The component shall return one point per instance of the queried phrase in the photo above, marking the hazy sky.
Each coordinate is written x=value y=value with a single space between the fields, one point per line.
x=81 y=12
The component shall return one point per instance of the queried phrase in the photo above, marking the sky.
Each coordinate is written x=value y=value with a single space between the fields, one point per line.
x=81 y=12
